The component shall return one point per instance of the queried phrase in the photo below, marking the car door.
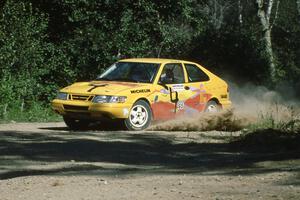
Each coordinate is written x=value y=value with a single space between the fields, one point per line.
x=197 y=83
x=172 y=92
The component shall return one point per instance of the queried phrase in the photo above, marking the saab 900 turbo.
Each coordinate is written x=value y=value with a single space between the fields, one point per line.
x=138 y=91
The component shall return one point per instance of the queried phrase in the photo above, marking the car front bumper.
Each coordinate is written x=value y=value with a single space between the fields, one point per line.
x=89 y=110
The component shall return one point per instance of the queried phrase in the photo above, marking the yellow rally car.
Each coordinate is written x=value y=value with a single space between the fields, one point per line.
x=140 y=90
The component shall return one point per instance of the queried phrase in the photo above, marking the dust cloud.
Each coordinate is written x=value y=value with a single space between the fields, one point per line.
x=225 y=120
x=251 y=105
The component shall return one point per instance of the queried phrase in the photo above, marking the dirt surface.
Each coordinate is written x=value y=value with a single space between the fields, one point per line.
x=47 y=161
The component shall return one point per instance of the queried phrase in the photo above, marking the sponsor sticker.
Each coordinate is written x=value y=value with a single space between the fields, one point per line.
x=140 y=91
x=164 y=91
x=180 y=105
x=178 y=87
x=202 y=89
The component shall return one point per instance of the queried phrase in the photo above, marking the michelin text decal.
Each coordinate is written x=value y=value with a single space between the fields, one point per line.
x=140 y=91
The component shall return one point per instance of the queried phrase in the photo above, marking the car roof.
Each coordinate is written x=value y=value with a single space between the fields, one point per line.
x=152 y=60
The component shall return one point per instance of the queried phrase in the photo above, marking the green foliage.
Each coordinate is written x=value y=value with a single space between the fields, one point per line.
x=286 y=36
x=103 y=31
x=32 y=68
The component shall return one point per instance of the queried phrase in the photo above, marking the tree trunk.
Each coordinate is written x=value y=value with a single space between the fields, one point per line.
x=298 y=8
x=264 y=17
x=270 y=54
x=240 y=9
x=22 y=105
x=5 y=109
x=215 y=14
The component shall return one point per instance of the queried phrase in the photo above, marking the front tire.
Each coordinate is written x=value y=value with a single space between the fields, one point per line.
x=76 y=124
x=140 y=116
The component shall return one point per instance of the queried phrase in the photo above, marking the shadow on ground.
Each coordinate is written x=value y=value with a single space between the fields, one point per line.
x=127 y=152
x=107 y=125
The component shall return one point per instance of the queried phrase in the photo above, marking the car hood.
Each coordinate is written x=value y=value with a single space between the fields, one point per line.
x=101 y=87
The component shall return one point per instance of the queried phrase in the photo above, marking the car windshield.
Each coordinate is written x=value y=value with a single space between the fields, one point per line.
x=130 y=72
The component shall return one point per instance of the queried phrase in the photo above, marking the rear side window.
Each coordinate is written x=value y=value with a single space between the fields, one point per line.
x=195 y=74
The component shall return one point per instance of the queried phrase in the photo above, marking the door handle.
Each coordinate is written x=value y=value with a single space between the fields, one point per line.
x=186 y=87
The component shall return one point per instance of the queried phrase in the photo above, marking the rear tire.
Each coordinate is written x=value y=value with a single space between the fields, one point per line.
x=140 y=116
x=212 y=107
x=76 y=124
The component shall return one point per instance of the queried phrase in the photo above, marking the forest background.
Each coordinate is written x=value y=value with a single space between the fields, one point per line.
x=48 y=44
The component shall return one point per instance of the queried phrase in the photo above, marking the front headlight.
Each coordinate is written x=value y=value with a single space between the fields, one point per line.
x=109 y=99
x=62 y=96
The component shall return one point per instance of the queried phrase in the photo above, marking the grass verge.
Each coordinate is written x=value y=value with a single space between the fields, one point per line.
x=277 y=130
x=37 y=112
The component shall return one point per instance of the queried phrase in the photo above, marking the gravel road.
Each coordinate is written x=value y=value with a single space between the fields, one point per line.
x=47 y=161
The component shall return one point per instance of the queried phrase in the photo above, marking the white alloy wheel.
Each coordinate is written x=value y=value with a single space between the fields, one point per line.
x=140 y=116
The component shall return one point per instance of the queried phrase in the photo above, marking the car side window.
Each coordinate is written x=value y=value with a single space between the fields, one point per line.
x=195 y=74
x=172 y=74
